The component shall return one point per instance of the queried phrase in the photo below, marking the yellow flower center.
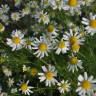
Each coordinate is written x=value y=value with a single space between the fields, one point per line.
x=50 y=28
x=49 y=75
x=73 y=60
x=28 y=42
x=64 y=86
x=73 y=40
x=61 y=44
x=16 y=40
x=34 y=71
x=1 y=27
x=73 y=3
x=24 y=87
x=93 y=23
x=42 y=47
x=75 y=47
x=86 y=85
x=42 y=16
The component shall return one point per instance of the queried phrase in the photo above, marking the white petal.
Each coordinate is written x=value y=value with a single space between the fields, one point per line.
x=80 y=78
x=44 y=68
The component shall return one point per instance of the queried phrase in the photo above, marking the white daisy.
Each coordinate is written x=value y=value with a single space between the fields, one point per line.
x=90 y=24
x=2 y=27
x=52 y=30
x=7 y=72
x=75 y=48
x=45 y=3
x=42 y=17
x=48 y=76
x=85 y=85
x=63 y=86
x=62 y=47
x=10 y=82
x=42 y=47
x=5 y=8
x=73 y=37
x=15 y=16
x=25 y=88
x=25 y=11
x=16 y=41
x=74 y=63
x=4 y=18
x=73 y=6
x=57 y=4
x=28 y=42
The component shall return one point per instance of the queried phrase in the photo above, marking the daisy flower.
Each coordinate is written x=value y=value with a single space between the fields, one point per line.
x=42 y=17
x=16 y=41
x=73 y=6
x=62 y=47
x=5 y=8
x=28 y=43
x=48 y=75
x=25 y=11
x=73 y=37
x=85 y=85
x=57 y=4
x=45 y=3
x=90 y=24
x=63 y=86
x=2 y=27
x=42 y=47
x=51 y=30
x=4 y=18
x=7 y=72
x=15 y=16
x=10 y=82
x=25 y=88
x=74 y=63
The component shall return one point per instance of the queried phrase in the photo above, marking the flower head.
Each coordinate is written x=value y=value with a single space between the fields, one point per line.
x=85 y=85
x=16 y=41
x=25 y=88
x=74 y=63
x=42 y=47
x=48 y=76
x=63 y=86
x=90 y=24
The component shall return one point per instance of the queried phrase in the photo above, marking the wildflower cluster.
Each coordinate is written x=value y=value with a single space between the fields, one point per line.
x=46 y=45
